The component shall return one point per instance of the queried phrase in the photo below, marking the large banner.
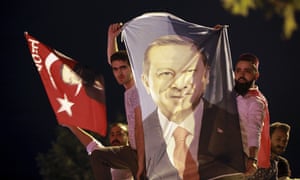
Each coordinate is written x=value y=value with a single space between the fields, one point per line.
x=76 y=93
x=183 y=72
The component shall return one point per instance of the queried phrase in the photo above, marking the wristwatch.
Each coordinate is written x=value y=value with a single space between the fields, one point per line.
x=252 y=159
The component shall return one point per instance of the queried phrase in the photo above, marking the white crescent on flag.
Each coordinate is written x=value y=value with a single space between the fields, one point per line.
x=75 y=100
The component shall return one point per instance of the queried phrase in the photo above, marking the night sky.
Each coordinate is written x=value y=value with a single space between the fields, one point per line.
x=79 y=29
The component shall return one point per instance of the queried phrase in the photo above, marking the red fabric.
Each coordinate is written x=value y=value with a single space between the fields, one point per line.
x=264 y=152
x=83 y=111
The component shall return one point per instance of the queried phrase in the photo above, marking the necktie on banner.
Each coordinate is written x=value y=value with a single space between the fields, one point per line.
x=76 y=93
x=183 y=160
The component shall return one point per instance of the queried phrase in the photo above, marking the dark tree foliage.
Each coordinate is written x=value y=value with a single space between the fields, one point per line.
x=67 y=159
x=288 y=10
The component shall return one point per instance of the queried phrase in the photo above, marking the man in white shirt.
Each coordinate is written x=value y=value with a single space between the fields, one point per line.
x=253 y=114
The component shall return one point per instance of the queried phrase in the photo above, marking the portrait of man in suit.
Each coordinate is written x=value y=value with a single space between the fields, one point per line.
x=175 y=74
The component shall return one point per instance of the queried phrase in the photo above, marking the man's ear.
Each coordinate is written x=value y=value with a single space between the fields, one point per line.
x=206 y=75
x=145 y=82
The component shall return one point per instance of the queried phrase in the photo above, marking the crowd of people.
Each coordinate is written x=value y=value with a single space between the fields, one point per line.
x=140 y=149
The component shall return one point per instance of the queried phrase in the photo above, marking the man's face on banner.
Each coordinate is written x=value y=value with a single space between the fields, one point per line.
x=176 y=80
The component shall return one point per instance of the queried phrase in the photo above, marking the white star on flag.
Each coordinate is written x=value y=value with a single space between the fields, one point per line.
x=65 y=105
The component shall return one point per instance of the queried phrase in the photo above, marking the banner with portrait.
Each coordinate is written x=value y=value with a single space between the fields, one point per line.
x=183 y=72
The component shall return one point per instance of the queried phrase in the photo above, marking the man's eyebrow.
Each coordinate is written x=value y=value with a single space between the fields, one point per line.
x=119 y=67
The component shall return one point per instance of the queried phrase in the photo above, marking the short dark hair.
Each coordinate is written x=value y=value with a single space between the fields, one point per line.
x=123 y=126
x=171 y=40
x=253 y=59
x=120 y=55
x=279 y=125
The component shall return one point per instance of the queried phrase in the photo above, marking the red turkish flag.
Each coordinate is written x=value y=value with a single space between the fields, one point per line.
x=75 y=92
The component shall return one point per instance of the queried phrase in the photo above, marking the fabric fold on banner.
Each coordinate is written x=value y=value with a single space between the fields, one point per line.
x=76 y=93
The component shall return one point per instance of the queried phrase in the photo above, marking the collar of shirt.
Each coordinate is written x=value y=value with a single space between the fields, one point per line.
x=251 y=91
x=189 y=123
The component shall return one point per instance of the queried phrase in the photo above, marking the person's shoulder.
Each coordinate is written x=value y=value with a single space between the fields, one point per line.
x=254 y=100
x=282 y=159
x=256 y=94
x=132 y=90
x=283 y=167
